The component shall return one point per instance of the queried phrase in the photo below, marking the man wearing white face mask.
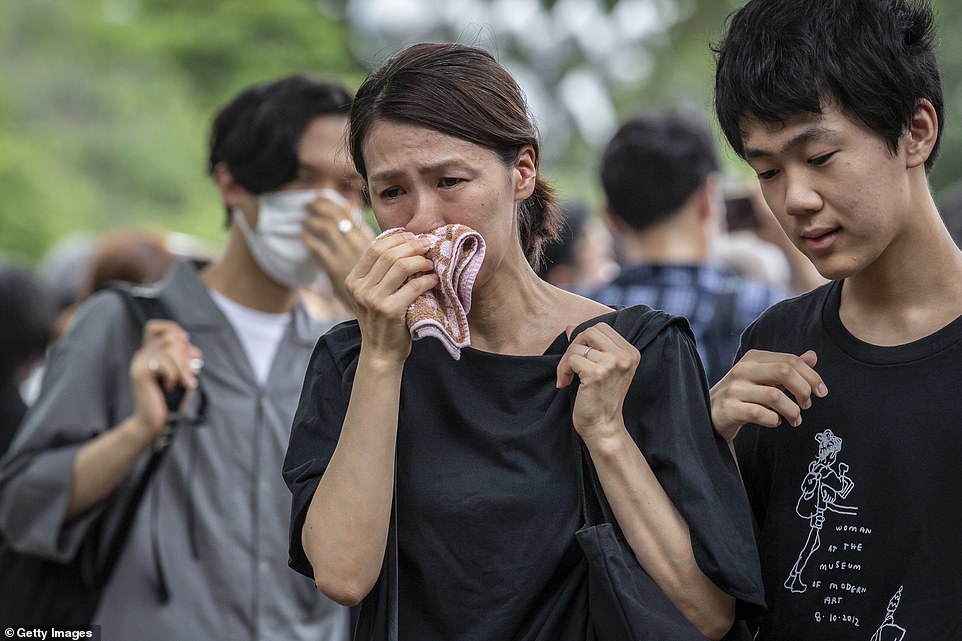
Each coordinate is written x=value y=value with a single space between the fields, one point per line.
x=207 y=554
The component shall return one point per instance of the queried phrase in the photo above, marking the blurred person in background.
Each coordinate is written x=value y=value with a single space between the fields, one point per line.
x=27 y=313
x=127 y=255
x=755 y=245
x=581 y=257
x=665 y=207
x=209 y=559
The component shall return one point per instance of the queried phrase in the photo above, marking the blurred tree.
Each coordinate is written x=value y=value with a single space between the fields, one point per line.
x=106 y=103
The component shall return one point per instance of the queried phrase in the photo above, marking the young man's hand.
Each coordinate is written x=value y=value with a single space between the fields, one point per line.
x=166 y=359
x=764 y=387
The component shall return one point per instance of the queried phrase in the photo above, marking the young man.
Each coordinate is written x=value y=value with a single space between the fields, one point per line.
x=664 y=205
x=207 y=556
x=838 y=108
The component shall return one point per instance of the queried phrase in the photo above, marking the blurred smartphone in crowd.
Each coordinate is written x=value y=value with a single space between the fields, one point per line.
x=740 y=213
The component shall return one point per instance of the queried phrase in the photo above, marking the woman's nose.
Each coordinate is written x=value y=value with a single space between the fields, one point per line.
x=427 y=214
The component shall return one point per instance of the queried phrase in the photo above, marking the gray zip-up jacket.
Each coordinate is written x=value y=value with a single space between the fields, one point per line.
x=207 y=555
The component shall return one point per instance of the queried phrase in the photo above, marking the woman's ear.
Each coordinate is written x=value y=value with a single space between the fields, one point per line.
x=922 y=133
x=525 y=173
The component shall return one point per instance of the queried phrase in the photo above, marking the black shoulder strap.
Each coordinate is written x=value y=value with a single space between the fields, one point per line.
x=142 y=304
x=719 y=333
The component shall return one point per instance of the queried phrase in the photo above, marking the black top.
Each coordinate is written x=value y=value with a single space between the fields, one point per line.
x=487 y=479
x=858 y=507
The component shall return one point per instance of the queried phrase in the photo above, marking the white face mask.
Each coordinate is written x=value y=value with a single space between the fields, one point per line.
x=277 y=245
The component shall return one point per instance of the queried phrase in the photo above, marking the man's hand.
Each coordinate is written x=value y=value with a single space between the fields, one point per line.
x=757 y=389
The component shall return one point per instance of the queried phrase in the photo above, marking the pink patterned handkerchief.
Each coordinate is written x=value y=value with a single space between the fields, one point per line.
x=457 y=253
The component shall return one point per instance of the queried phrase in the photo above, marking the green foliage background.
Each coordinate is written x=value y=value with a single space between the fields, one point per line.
x=105 y=104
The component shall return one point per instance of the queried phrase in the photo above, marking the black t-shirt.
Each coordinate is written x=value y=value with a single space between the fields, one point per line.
x=859 y=507
x=487 y=478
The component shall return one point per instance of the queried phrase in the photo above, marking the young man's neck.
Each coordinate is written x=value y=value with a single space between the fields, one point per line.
x=912 y=290
x=237 y=276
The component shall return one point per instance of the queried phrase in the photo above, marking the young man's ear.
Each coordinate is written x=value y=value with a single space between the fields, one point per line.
x=921 y=135
x=231 y=191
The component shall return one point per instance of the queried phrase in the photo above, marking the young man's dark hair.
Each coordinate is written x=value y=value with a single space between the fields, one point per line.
x=672 y=151
x=256 y=134
x=843 y=405
x=872 y=59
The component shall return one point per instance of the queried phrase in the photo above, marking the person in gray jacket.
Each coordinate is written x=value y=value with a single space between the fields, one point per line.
x=207 y=554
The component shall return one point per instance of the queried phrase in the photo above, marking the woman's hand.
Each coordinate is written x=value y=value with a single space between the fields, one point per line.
x=391 y=273
x=605 y=364
x=337 y=238
x=754 y=391
x=165 y=360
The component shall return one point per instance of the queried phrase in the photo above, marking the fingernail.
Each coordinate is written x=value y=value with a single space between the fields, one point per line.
x=197 y=363
x=796 y=421
x=807 y=403
x=822 y=390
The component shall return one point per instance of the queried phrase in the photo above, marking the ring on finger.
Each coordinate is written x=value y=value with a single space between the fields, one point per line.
x=587 y=349
x=153 y=365
x=345 y=225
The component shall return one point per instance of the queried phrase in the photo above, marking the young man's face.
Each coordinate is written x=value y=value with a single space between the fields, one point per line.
x=833 y=184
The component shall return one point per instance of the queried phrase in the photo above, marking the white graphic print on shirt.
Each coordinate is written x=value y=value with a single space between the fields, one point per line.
x=825 y=484
x=888 y=631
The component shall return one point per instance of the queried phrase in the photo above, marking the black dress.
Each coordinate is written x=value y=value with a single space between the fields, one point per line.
x=487 y=482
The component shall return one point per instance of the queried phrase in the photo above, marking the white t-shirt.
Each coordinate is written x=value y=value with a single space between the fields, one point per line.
x=260 y=333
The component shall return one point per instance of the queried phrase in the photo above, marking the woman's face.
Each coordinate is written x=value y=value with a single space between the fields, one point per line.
x=421 y=179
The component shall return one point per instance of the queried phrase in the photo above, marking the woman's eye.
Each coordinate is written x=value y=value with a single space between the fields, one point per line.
x=821 y=160
x=767 y=175
x=448 y=181
x=391 y=192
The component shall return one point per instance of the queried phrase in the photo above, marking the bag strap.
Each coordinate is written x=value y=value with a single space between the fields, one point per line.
x=721 y=329
x=595 y=509
x=142 y=304
x=392 y=568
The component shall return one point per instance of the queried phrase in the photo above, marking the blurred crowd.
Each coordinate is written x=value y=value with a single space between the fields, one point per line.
x=82 y=384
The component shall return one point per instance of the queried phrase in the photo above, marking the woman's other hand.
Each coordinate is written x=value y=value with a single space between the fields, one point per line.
x=605 y=364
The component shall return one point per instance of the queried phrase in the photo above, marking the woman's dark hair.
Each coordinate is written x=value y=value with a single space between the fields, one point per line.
x=873 y=59
x=256 y=134
x=462 y=92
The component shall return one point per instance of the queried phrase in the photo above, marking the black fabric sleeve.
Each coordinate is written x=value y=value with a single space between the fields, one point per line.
x=317 y=427
x=667 y=412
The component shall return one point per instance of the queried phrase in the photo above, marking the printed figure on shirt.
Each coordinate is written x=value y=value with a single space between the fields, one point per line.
x=888 y=631
x=825 y=483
